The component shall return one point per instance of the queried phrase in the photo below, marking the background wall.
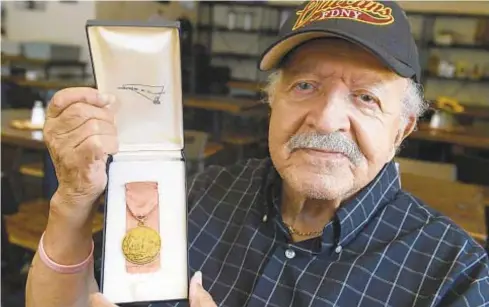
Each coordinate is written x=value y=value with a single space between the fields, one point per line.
x=462 y=7
x=142 y=10
x=465 y=28
x=55 y=22
x=64 y=23
x=58 y=22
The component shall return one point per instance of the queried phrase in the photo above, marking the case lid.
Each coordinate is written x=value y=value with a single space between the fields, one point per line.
x=139 y=63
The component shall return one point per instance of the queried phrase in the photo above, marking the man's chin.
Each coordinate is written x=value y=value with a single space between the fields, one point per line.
x=317 y=184
x=324 y=190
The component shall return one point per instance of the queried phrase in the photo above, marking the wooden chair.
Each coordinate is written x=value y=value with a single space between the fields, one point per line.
x=437 y=170
x=43 y=170
x=25 y=228
x=195 y=145
x=463 y=203
x=212 y=149
x=245 y=131
x=32 y=169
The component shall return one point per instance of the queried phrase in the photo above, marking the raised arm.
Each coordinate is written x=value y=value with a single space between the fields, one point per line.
x=79 y=133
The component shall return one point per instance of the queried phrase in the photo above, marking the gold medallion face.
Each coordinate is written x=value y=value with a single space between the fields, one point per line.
x=141 y=245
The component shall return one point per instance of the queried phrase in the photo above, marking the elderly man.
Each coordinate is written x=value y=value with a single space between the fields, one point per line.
x=324 y=221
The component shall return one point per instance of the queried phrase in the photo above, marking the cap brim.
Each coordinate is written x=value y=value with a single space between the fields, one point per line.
x=272 y=57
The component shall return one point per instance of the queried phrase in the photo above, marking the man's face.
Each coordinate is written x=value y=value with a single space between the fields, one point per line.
x=335 y=119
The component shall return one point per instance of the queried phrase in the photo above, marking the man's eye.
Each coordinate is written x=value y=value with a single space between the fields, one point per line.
x=366 y=98
x=304 y=86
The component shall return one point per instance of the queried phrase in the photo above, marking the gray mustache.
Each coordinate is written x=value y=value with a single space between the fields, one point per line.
x=335 y=141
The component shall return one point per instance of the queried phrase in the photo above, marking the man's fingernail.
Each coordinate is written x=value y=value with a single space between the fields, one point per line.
x=106 y=98
x=198 y=277
x=195 y=282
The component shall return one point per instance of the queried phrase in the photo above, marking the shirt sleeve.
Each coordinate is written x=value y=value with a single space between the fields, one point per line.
x=468 y=282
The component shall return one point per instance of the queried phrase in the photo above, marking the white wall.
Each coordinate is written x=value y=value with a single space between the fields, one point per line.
x=57 y=23
x=142 y=10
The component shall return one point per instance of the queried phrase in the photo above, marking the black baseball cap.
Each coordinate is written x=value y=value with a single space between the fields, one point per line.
x=381 y=27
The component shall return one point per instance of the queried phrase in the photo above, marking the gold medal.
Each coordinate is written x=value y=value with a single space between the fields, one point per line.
x=141 y=245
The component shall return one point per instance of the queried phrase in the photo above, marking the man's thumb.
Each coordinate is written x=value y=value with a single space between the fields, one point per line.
x=98 y=300
x=198 y=278
x=196 y=285
x=198 y=295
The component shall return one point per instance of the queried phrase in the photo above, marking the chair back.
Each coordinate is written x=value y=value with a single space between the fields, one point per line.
x=18 y=97
x=195 y=143
x=436 y=170
x=472 y=169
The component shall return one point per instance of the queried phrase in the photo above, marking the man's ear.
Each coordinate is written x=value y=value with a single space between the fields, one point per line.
x=407 y=127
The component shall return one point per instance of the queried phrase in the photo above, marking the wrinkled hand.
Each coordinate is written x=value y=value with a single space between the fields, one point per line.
x=198 y=296
x=79 y=133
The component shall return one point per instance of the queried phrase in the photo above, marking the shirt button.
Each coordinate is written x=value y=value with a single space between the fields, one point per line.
x=338 y=249
x=265 y=218
x=289 y=253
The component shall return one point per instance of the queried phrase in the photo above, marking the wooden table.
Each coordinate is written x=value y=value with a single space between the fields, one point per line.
x=252 y=86
x=476 y=112
x=217 y=104
x=51 y=84
x=463 y=203
x=212 y=148
x=18 y=145
x=465 y=136
x=221 y=103
x=33 y=139
x=21 y=138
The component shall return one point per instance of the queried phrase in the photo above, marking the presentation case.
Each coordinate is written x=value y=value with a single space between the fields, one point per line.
x=145 y=251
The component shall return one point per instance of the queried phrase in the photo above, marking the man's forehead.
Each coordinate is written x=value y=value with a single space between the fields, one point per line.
x=351 y=68
x=322 y=70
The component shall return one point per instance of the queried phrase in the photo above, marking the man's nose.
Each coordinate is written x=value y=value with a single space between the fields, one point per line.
x=330 y=112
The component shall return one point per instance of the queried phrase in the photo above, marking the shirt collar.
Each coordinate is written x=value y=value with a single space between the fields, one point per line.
x=353 y=214
x=356 y=213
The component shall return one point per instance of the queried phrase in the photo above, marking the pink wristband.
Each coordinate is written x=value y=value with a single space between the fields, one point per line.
x=63 y=269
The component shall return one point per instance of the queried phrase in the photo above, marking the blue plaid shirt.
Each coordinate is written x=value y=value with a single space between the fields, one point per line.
x=383 y=248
